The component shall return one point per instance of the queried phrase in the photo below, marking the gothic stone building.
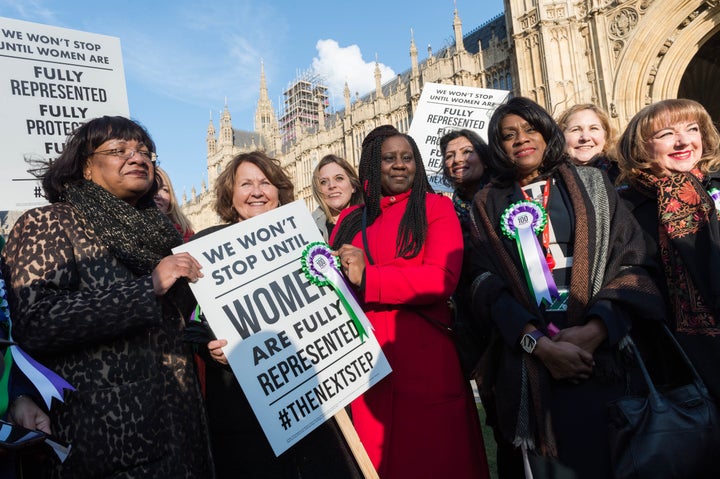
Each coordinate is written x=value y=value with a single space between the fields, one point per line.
x=619 y=54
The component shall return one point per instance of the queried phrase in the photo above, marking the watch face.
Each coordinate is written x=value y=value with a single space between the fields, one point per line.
x=528 y=343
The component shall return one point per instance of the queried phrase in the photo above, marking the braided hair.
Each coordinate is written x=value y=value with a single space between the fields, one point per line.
x=413 y=225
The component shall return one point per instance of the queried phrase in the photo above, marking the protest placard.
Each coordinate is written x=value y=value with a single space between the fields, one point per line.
x=443 y=108
x=53 y=80
x=296 y=352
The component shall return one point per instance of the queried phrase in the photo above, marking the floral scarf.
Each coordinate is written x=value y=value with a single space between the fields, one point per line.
x=689 y=245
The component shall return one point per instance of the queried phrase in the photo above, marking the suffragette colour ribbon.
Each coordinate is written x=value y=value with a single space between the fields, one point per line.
x=715 y=195
x=48 y=384
x=522 y=221
x=321 y=268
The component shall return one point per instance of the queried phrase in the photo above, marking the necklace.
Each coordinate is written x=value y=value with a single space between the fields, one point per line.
x=546 y=231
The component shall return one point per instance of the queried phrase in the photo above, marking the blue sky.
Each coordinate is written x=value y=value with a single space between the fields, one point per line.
x=184 y=59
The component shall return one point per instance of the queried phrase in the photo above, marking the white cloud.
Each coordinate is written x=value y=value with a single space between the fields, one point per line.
x=337 y=65
x=34 y=9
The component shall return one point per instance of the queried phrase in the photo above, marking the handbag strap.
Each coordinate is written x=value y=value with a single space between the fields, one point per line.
x=441 y=326
x=653 y=393
x=696 y=376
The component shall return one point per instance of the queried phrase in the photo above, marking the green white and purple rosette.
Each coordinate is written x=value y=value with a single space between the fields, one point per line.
x=715 y=195
x=321 y=268
x=523 y=221
x=48 y=384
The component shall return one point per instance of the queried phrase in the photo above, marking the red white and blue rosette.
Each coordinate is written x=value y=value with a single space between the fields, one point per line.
x=523 y=221
x=321 y=268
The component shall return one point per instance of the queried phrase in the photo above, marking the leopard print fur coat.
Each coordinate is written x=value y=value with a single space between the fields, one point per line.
x=137 y=411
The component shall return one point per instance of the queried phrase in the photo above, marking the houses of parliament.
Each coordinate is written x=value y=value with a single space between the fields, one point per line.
x=618 y=54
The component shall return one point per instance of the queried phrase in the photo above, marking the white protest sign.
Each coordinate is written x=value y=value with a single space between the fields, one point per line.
x=444 y=108
x=52 y=81
x=292 y=345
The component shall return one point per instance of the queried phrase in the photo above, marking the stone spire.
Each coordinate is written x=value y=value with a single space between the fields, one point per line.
x=413 y=55
x=378 y=77
x=346 y=94
x=211 y=140
x=265 y=120
x=457 y=26
x=226 y=132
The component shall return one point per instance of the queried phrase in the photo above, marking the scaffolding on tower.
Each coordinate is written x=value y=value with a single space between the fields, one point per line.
x=303 y=99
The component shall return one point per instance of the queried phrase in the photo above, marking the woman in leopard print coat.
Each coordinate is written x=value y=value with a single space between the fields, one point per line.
x=97 y=296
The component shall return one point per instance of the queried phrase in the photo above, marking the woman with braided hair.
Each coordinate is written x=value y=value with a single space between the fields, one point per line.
x=402 y=251
x=560 y=270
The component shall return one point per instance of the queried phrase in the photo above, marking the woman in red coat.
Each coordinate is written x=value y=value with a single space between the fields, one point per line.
x=403 y=252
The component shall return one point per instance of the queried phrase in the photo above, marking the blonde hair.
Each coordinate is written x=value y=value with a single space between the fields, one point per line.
x=355 y=199
x=174 y=212
x=610 y=132
x=631 y=152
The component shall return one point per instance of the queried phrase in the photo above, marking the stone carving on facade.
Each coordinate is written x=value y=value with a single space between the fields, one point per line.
x=689 y=19
x=651 y=75
x=666 y=46
x=581 y=10
x=529 y=20
x=623 y=22
x=617 y=47
x=559 y=34
x=556 y=12
x=644 y=5
x=613 y=110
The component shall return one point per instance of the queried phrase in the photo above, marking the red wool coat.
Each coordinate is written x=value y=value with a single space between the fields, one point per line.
x=420 y=421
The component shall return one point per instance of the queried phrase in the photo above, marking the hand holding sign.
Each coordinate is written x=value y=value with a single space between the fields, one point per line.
x=320 y=267
x=300 y=350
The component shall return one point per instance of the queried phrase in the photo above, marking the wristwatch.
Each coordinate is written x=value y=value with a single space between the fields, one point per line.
x=529 y=340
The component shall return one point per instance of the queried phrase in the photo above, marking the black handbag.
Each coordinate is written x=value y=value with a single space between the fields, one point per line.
x=672 y=433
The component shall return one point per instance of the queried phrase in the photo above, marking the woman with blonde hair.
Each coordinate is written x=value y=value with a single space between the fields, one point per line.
x=166 y=201
x=669 y=156
x=335 y=186
x=589 y=137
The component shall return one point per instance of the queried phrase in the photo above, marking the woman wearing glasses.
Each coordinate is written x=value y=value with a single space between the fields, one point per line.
x=97 y=296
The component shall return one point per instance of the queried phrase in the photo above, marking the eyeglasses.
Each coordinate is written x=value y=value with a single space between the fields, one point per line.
x=127 y=153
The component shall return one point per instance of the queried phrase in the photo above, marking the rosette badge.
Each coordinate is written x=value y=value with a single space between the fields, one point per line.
x=321 y=268
x=523 y=215
x=317 y=261
x=523 y=221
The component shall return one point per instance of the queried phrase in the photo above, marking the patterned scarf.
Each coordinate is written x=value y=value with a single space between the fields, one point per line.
x=688 y=243
x=139 y=237
x=462 y=208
